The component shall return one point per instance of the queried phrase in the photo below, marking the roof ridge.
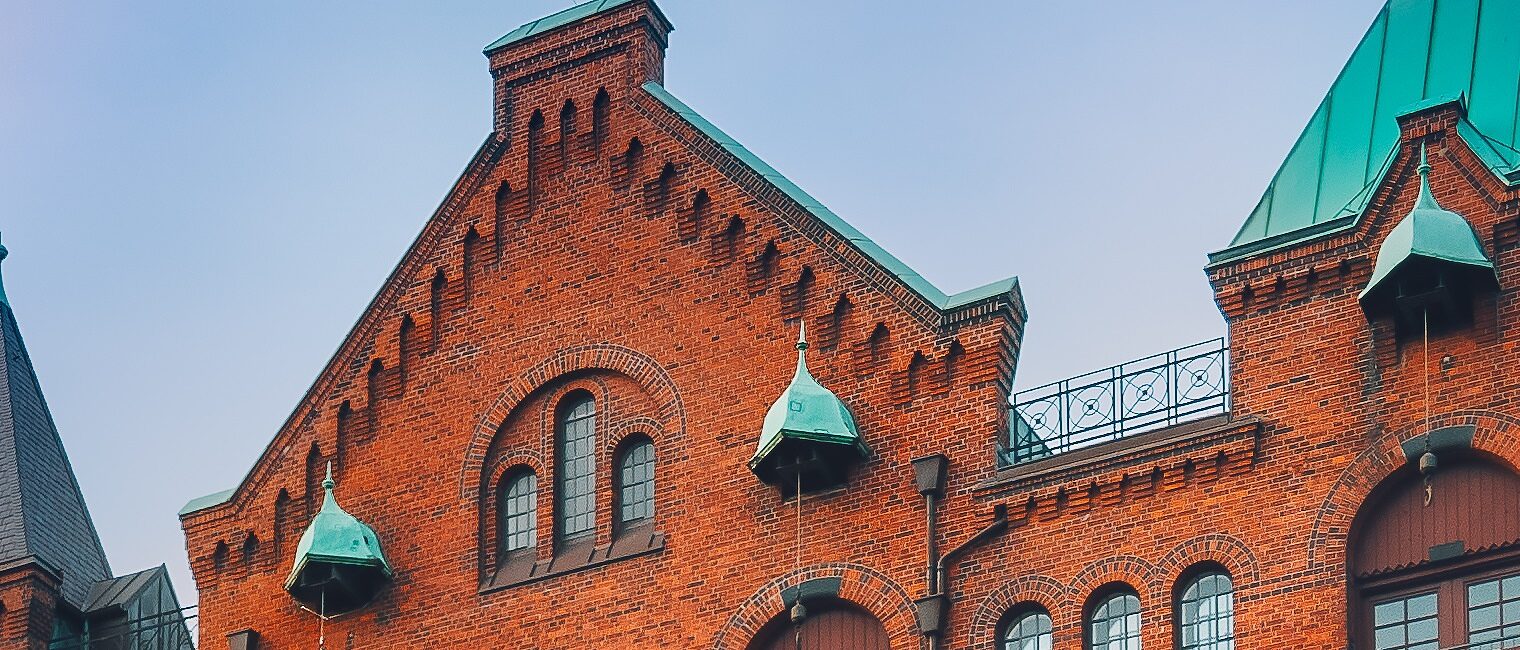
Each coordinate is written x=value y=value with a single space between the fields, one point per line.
x=905 y=274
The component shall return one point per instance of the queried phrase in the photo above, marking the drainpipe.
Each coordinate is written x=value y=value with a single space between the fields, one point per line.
x=933 y=610
x=929 y=476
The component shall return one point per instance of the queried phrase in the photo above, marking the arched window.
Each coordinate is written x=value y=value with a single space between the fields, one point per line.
x=577 y=467
x=517 y=512
x=1206 y=612
x=1027 y=630
x=635 y=483
x=1114 y=623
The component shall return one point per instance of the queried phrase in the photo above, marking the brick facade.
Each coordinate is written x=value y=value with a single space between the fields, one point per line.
x=608 y=245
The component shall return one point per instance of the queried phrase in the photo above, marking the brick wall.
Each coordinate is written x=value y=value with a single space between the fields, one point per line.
x=628 y=255
x=670 y=282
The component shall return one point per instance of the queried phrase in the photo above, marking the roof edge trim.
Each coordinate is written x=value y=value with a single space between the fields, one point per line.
x=223 y=497
x=567 y=17
x=896 y=267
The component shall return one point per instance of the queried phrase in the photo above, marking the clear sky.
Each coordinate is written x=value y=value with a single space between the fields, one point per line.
x=200 y=197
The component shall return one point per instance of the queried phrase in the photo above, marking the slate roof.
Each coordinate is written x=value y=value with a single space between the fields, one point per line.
x=1417 y=53
x=42 y=512
x=119 y=592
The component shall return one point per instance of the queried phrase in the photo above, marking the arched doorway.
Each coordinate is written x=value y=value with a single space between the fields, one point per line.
x=832 y=624
x=1438 y=569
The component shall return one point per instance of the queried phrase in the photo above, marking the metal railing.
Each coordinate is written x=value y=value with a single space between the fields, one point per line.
x=1109 y=404
x=171 y=630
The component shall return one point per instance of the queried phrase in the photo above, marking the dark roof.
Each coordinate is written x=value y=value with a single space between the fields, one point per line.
x=119 y=592
x=42 y=512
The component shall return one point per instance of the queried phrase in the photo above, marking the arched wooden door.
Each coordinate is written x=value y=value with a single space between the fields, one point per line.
x=1438 y=568
x=831 y=624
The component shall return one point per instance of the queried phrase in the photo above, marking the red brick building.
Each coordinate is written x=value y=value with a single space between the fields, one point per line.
x=566 y=417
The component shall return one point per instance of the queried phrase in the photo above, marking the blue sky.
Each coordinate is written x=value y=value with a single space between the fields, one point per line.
x=200 y=197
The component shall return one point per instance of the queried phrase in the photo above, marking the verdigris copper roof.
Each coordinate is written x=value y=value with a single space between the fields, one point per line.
x=807 y=411
x=566 y=17
x=1417 y=53
x=42 y=511
x=336 y=537
x=1428 y=231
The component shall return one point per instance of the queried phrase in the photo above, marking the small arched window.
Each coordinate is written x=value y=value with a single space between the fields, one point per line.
x=577 y=466
x=517 y=512
x=1206 y=613
x=635 y=483
x=1114 y=623
x=1027 y=630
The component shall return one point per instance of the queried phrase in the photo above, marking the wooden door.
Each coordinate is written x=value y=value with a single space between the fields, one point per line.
x=831 y=625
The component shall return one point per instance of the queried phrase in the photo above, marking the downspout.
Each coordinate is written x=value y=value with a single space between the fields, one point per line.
x=933 y=609
x=998 y=525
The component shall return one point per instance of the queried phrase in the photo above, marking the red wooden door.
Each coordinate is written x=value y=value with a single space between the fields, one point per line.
x=830 y=625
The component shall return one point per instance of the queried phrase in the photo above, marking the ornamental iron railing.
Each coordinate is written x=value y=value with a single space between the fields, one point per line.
x=1110 y=404
x=171 y=630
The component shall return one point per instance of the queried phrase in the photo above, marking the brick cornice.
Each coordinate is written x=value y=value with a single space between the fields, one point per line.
x=1166 y=459
x=796 y=217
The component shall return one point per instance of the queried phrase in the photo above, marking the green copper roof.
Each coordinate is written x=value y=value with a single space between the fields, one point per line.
x=563 y=18
x=1417 y=53
x=807 y=411
x=1429 y=231
x=201 y=503
x=336 y=537
x=893 y=265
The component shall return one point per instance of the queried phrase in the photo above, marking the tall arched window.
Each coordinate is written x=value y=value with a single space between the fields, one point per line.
x=1028 y=629
x=635 y=483
x=1206 y=612
x=1114 y=623
x=576 y=505
x=517 y=512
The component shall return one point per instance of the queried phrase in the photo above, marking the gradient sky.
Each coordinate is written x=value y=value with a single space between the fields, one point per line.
x=200 y=197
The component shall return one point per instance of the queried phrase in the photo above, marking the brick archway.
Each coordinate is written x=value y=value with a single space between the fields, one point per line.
x=1044 y=591
x=1332 y=522
x=1222 y=549
x=616 y=358
x=862 y=586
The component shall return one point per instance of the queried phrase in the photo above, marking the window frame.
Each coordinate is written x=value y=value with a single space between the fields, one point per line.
x=1015 y=617
x=620 y=483
x=1100 y=599
x=1191 y=578
x=1448 y=579
x=563 y=419
x=504 y=514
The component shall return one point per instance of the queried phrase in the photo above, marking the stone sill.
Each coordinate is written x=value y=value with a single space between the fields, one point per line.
x=577 y=557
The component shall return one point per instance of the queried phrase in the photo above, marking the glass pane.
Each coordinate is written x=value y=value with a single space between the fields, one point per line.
x=519 y=513
x=1388 y=613
x=1208 y=616
x=1028 y=632
x=1493 y=613
x=1406 y=623
x=1115 y=624
x=1421 y=606
x=577 y=462
x=1482 y=593
x=637 y=493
